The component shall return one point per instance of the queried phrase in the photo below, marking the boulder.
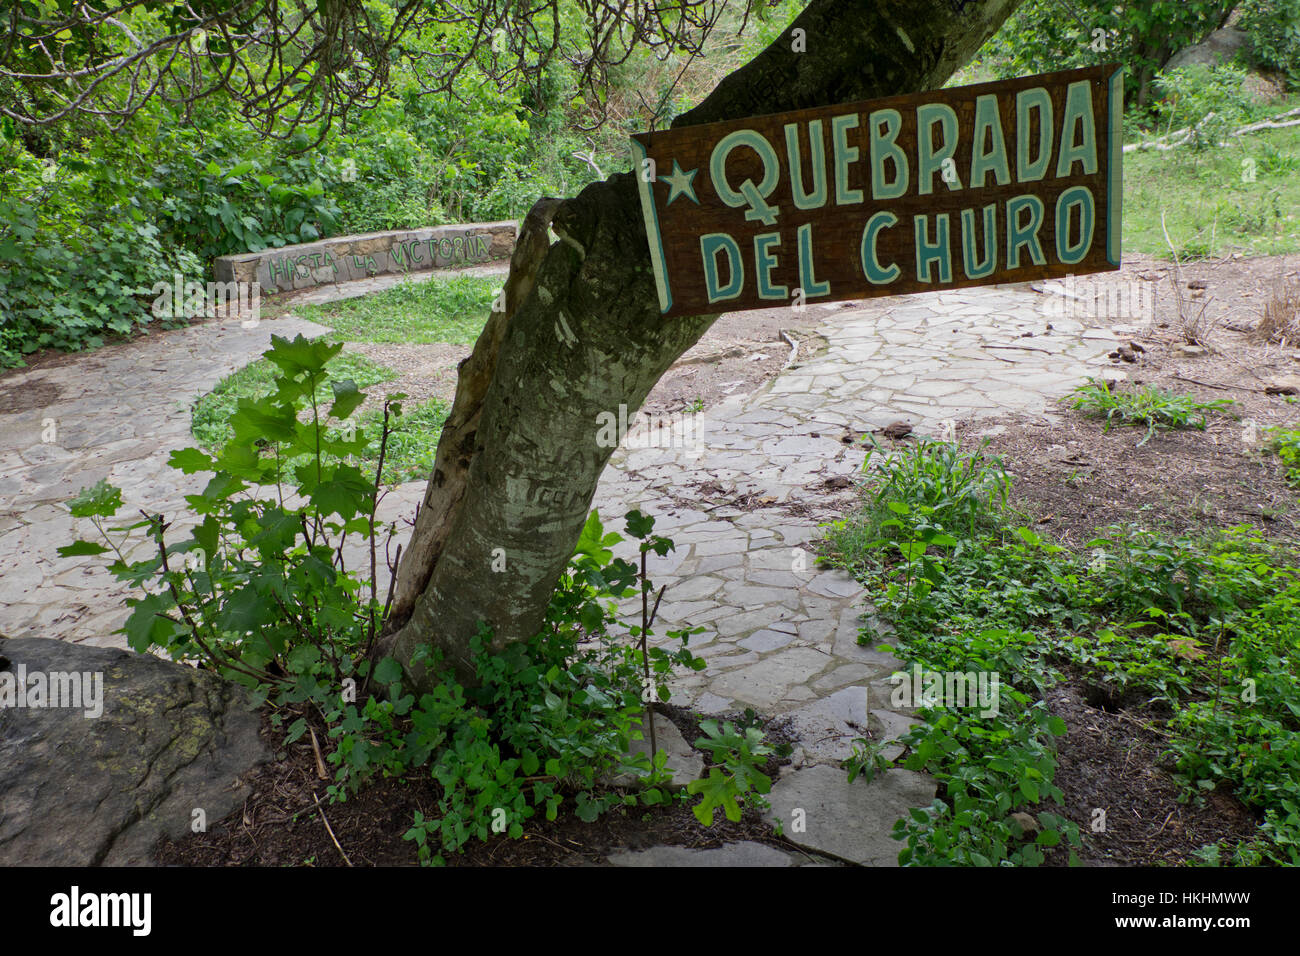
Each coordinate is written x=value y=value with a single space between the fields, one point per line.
x=104 y=751
x=1219 y=47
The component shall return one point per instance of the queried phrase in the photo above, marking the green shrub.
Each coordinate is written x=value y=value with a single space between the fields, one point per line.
x=71 y=289
x=1206 y=631
x=1207 y=100
x=1273 y=29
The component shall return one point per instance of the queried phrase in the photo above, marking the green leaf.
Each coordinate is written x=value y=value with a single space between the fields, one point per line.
x=388 y=671
x=301 y=354
x=346 y=398
x=345 y=494
x=718 y=790
x=639 y=525
x=148 y=624
x=191 y=460
x=79 y=548
x=100 y=500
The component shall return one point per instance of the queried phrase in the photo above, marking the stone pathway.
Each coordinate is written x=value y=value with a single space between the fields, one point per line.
x=781 y=633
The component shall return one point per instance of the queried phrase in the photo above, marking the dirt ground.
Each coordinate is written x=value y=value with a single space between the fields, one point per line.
x=1076 y=477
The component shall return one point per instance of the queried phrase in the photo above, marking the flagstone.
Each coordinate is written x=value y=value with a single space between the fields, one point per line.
x=851 y=820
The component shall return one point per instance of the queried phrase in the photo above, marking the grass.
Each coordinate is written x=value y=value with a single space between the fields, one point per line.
x=1279 y=322
x=412 y=440
x=449 y=310
x=1210 y=210
x=1149 y=406
x=208 y=423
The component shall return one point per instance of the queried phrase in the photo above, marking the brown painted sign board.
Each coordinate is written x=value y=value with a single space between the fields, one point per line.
x=975 y=185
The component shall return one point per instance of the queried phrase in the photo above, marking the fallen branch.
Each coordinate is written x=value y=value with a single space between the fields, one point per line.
x=330 y=830
x=320 y=763
x=1180 y=137
x=794 y=347
x=1226 y=388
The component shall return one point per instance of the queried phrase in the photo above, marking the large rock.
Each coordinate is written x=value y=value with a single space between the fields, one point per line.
x=818 y=808
x=97 y=777
x=1219 y=47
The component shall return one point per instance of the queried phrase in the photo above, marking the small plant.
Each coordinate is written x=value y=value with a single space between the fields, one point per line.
x=1285 y=443
x=259 y=590
x=736 y=777
x=210 y=418
x=1279 y=320
x=1194 y=324
x=931 y=486
x=1147 y=406
x=866 y=760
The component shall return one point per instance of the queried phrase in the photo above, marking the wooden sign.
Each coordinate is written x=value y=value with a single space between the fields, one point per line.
x=975 y=185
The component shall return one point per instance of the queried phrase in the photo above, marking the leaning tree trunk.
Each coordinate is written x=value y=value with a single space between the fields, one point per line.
x=518 y=462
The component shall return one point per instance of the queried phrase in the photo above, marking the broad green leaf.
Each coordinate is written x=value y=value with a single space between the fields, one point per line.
x=100 y=500
x=79 y=548
x=346 y=398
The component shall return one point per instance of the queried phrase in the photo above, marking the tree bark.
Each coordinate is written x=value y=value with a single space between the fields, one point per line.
x=518 y=463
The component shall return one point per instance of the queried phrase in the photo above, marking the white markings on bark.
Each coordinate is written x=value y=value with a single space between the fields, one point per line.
x=563 y=332
x=907 y=41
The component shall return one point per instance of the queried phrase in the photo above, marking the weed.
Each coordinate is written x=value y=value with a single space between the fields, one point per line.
x=1147 y=406
x=1279 y=320
x=1285 y=442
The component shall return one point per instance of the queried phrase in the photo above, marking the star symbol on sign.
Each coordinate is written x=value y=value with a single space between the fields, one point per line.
x=680 y=184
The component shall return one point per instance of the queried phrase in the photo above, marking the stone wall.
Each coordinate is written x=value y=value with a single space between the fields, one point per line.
x=357 y=257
